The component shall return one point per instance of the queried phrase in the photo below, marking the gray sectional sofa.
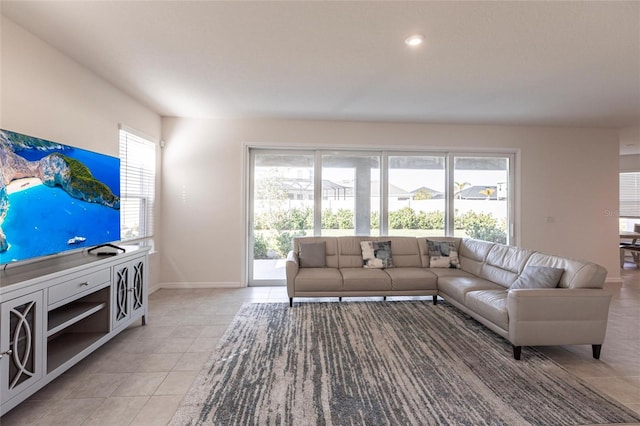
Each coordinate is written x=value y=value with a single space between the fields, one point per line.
x=527 y=297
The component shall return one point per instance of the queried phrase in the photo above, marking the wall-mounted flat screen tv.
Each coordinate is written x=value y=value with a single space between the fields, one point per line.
x=55 y=198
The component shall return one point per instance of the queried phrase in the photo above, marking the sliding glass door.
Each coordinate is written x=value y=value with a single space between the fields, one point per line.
x=316 y=192
x=281 y=207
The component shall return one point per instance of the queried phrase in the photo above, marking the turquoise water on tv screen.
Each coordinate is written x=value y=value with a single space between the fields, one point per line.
x=42 y=220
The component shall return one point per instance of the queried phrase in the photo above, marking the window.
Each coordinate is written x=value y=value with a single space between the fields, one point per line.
x=137 y=186
x=349 y=192
x=481 y=197
x=416 y=195
x=630 y=194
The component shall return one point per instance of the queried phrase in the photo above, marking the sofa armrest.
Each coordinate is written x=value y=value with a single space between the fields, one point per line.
x=557 y=316
x=292 y=265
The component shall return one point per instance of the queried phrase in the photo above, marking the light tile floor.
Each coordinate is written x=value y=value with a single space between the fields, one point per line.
x=141 y=376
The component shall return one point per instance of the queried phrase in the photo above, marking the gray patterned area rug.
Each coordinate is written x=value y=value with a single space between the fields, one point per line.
x=382 y=363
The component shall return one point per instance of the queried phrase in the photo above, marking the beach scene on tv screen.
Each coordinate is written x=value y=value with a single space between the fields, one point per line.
x=55 y=198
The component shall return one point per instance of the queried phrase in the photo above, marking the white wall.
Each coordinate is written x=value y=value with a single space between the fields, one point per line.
x=568 y=174
x=46 y=94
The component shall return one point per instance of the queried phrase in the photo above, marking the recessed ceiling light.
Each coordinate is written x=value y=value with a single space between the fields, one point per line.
x=414 y=40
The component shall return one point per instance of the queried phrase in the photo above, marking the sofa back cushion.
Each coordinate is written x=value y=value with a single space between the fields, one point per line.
x=577 y=273
x=330 y=249
x=405 y=251
x=472 y=254
x=350 y=251
x=312 y=255
x=504 y=264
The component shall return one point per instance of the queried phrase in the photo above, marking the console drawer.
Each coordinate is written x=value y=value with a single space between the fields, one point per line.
x=78 y=285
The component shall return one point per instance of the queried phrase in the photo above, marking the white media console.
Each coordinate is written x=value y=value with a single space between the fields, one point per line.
x=55 y=312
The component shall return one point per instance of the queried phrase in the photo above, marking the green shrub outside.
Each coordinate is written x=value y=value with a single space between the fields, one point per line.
x=284 y=225
x=375 y=220
x=260 y=246
x=407 y=218
x=284 y=241
x=344 y=218
x=485 y=227
x=329 y=220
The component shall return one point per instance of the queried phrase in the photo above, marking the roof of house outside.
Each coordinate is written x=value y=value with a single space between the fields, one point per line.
x=476 y=193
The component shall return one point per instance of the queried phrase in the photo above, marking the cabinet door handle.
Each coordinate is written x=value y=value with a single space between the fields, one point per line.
x=86 y=283
x=7 y=352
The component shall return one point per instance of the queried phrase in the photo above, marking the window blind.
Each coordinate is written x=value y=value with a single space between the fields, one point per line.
x=630 y=194
x=137 y=186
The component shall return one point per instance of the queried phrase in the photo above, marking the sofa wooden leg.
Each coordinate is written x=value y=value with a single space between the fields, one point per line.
x=435 y=300
x=384 y=298
x=291 y=302
x=339 y=299
x=596 y=351
x=517 y=352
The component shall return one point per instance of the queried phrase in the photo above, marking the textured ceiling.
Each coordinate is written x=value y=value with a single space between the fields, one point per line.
x=522 y=63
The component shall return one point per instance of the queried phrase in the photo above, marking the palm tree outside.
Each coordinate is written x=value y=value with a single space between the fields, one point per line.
x=458 y=187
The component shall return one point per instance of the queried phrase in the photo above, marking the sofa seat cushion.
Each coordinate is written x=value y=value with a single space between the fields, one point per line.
x=363 y=279
x=318 y=279
x=412 y=279
x=489 y=304
x=457 y=287
x=450 y=272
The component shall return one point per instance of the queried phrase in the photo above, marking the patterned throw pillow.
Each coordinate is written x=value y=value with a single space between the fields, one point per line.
x=376 y=254
x=443 y=254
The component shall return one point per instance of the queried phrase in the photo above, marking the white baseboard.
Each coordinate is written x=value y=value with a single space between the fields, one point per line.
x=185 y=285
x=613 y=282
